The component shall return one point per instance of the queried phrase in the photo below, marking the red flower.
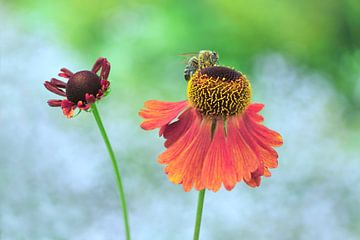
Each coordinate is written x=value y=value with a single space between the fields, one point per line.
x=217 y=137
x=82 y=89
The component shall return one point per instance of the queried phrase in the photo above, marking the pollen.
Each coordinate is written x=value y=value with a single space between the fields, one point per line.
x=219 y=92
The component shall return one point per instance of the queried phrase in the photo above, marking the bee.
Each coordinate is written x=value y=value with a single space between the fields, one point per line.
x=205 y=58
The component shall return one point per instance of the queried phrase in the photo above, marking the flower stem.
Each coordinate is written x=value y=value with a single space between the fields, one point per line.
x=115 y=166
x=199 y=214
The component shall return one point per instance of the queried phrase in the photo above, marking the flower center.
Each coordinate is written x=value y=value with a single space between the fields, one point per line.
x=81 y=83
x=219 y=91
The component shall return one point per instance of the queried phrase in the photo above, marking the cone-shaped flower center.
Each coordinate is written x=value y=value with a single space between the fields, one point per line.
x=219 y=91
x=81 y=83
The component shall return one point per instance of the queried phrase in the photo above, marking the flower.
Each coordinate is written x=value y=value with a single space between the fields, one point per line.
x=218 y=137
x=82 y=89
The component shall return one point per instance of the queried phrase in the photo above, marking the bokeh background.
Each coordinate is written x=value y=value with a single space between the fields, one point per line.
x=302 y=57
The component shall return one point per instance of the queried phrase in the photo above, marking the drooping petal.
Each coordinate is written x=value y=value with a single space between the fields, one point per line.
x=185 y=157
x=68 y=108
x=264 y=139
x=219 y=166
x=90 y=98
x=158 y=113
x=53 y=88
x=83 y=105
x=182 y=143
x=54 y=103
x=266 y=135
x=244 y=158
x=104 y=85
x=252 y=112
x=259 y=139
x=58 y=83
x=172 y=132
x=254 y=181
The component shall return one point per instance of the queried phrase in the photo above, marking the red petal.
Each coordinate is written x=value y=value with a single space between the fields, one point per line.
x=104 y=65
x=158 y=113
x=90 y=98
x=254 y=181
x=54 y=103
x=172 y=132
x=68 y=108
x=53 y=88
x=58 y=83
x=66 y=73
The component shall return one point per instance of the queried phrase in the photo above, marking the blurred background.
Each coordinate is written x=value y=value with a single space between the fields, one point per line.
x=302 y=58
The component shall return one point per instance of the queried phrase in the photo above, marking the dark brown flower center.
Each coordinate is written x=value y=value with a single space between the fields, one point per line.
x=219 y=92
x=81 y=83
x=223 y=73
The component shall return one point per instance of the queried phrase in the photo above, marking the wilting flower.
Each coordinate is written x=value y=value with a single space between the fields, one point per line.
x=82 y=88
x=217 y=137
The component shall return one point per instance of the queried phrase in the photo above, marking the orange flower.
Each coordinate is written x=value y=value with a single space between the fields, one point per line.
x=217 y=137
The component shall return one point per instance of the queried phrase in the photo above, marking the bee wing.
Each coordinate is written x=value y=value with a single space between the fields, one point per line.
x=191 y=54
x=187 y=56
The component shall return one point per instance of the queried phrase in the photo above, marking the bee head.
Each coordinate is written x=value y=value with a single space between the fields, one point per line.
x=214 y=57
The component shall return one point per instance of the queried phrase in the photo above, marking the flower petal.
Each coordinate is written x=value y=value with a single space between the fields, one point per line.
x=182 y=143
x=68 y=108
x=244 y=158
x=172 y=132
x=264 y=139
x=158 y=113
x=186 y=156
x=66 y=73
x=268 y=136
x=52 y=87
x=54 y=103
x=261 y=140
x=58 y=83
x=218 y=166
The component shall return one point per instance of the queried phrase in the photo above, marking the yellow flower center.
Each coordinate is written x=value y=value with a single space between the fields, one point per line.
x=219 y=91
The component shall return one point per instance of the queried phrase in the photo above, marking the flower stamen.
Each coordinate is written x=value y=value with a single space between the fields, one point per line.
x=219 y=92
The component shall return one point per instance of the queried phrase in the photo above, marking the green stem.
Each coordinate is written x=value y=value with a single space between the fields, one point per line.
x=199 y=214
x=115 y=166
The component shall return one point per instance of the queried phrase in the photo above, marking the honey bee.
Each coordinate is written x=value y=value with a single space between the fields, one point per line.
x=205 y=58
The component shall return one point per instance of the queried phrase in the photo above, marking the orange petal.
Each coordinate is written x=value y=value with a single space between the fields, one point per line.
x=267 y=173
x=185 y=157
x=252 y=111
x=245 y=159
x=157 y=113
x=264 y=139
x=268 y=136
x=253 y=181
x=261 y=140
x=182 y=143
x=218 y=165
